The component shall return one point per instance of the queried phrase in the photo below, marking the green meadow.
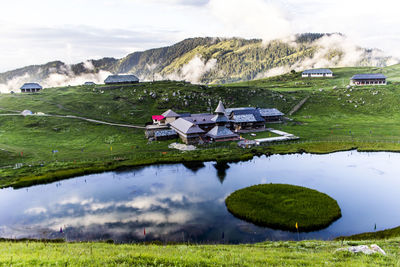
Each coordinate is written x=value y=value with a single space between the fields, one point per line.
x=303 y=253
x=42 y=149
x=39 y=149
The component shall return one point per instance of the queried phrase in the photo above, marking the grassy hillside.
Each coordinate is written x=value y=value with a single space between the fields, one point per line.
x=294 y=81
x=84 y=147
x=366 y=118
x=305 y=253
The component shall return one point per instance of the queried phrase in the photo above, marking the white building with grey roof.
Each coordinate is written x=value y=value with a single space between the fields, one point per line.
x=31 y=88
x=317 y=73
x=170 y=116
x=189 y=132
x=368 y=79
x=121 y=79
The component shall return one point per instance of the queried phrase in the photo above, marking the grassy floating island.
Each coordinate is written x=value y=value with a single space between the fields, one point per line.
x=280 y=206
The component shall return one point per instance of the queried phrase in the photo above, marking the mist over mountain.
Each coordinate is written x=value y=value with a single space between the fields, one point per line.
x=208 y=60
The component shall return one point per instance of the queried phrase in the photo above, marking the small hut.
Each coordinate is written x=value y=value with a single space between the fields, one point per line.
x=89 y=83
x=121 y=79
x=31 y=88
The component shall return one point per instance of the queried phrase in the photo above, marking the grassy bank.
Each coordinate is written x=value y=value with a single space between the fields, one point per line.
x=305 y=253
x=384 y=234
x=47 y=172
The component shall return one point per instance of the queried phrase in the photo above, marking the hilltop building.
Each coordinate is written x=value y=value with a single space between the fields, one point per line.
x=89 y=83
x=317 y=73
x=204 y=120
x=121 y=79
x=158 y=119
x=169 y=116
x=220 y=132
x=189 y=132
x=271 y=114
x=368 y=79
x=223 y=125
x=31 y=88
x=245 y=119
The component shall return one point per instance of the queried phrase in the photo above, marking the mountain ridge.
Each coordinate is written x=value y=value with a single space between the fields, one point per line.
x=207 y=60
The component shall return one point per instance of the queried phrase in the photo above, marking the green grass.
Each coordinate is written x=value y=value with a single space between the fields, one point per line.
x=384 y=234
x=305 y=253
x=328 y=122
x=258 y=135
x=363 y=118
x=281 y=206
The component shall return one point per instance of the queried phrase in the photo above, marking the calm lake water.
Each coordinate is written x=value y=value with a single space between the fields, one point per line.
x=186 y=203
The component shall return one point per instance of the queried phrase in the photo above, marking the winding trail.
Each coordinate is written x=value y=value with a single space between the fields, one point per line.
x=79 y=118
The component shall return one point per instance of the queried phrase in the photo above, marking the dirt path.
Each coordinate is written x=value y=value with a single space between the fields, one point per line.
x=9 y=110
x=81 y=118
x=298 y=106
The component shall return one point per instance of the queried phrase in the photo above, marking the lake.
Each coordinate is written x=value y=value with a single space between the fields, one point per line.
x=178 y=203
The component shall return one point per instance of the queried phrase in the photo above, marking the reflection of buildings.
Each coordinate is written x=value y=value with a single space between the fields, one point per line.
x=221 y=126
x=221 y=168
x=194 y=166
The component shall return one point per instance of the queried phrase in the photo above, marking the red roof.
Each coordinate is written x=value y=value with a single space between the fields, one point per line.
x=157 y=117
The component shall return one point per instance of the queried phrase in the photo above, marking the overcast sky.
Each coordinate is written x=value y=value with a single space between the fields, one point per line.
x=35 y=32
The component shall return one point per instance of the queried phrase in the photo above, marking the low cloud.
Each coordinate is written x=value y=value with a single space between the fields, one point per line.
x=54 y=80
x=193 y=71
x=335 y=50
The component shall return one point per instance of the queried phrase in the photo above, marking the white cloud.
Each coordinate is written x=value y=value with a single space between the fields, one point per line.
x=36 y=211
x=74 y=31
x=251 y=18
x=192 y=71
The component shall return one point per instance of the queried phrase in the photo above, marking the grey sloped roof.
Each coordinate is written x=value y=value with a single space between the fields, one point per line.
x=186 y=127
x=270 y=112
x=121 y=79
x=316 y=71
x=181 y=115
x=228 y=111
x=246 y=115
x=244 y=118
x=89 y=83
x=219 y=118
x=200 y=119
x=220 y=132
x=31 y=86
x=169 y=114
x=220 y=108
x=366 y=76
x=165 y=133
